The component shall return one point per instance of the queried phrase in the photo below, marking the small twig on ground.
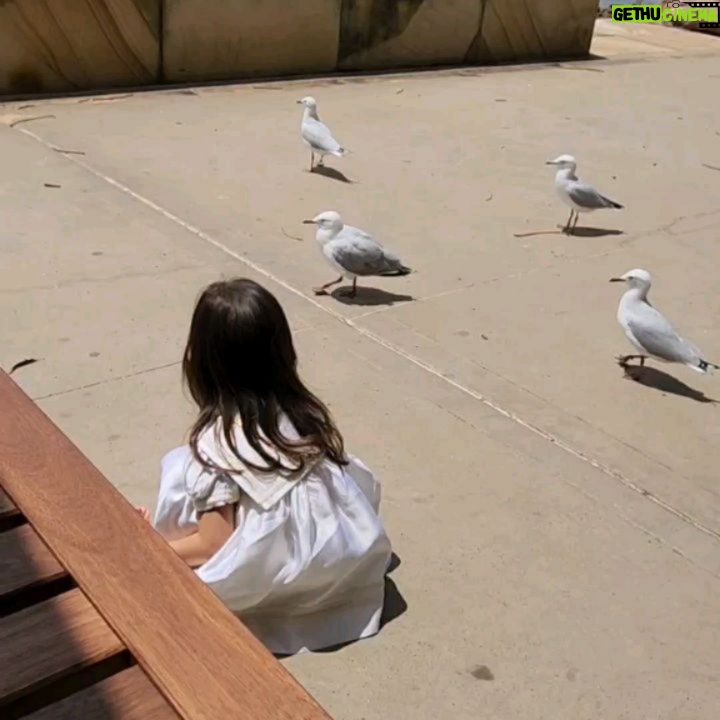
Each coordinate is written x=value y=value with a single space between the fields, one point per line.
x=22 y=363
x=292 y=237
x=579 y=67
x=400 y=91
x=489 y=197
x=105 y=99
x=52 y=185
x=711 y=167
x=28 y=119
x=69 y=152
x=538 y=232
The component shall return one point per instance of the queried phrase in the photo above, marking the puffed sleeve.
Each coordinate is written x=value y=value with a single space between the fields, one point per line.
x=209 y=490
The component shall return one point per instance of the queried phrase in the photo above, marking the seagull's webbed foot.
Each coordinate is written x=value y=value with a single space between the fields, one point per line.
x=624 y=362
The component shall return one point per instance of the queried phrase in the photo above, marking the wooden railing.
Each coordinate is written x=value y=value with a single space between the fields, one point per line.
x=99 y=618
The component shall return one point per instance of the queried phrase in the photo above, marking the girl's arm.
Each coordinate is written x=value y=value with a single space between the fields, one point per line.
x=214 y=528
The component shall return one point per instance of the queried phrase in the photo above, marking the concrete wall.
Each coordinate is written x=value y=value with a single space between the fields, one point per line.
x=57 y=45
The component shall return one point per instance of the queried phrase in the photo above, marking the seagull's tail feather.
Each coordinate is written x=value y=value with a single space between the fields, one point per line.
x=704 y=366
x=613 y=204
x=397 y=272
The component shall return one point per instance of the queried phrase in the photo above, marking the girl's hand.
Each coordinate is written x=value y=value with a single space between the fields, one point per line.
x=144 y=512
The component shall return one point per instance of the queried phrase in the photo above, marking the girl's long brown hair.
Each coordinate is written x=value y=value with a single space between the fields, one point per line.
x=240 y=363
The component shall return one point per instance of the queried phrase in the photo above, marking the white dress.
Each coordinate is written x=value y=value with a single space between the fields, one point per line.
x=304 y=568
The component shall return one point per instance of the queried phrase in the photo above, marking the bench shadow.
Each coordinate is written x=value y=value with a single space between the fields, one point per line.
x=332 y=173
x=369 y=296
x=595 y=232
x=658 y=380
x=394 y=606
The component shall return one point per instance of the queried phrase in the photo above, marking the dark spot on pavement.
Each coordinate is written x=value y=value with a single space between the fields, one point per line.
x=482 y=672
x=571 y=674
x=112 y=438
x=97 y=252
x=462 y=333
x=94 y=354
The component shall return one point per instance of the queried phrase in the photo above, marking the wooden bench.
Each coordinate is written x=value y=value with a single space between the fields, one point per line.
x=99 y=618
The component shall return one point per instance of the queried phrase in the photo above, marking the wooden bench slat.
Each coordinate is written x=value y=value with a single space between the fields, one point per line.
x=6 y=505
x=128 y=695
x=194 y=650
x=25 y=561
x=51 y=640
x=9 y=515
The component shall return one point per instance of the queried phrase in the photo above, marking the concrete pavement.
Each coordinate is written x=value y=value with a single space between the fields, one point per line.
x=558 y=526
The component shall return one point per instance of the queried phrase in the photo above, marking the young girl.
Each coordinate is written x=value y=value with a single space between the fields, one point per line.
x=263 y=501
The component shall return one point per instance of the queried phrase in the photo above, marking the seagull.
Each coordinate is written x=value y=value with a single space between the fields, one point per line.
x=578 y=196
x=649 y=331
x=317 y=135
x=352 y=252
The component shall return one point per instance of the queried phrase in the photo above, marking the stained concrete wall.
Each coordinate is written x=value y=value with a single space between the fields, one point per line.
x=59 y=45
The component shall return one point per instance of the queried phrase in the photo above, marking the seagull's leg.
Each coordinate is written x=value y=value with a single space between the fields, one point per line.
x=624 y=363
x=566 y=229
x=322 y=290
x=577 y=217
x=312 y=161
x=625 y=359
x=352 y=292
x=321 y=162
x=570 y=225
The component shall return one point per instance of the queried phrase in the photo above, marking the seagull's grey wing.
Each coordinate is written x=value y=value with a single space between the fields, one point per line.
x=359 y=256
x=657 y=336
x=319 y=136
x=588 y=197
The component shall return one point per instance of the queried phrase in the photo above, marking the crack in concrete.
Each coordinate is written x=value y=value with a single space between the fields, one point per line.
x=100 y=279
x=531 y=270
x=107 y=381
